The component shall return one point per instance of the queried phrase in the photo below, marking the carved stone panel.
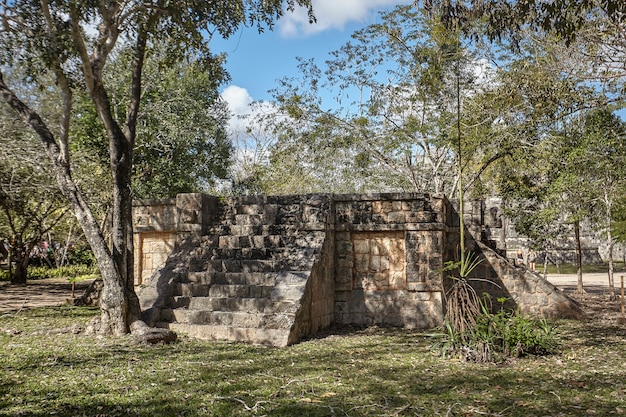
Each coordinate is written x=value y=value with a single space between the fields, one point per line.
x=379 y=261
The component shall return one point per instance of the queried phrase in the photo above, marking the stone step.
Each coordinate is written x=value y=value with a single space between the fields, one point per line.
x=240 y=291
x=191 y=290
x=228 y=290
x=289 y=285
x=260 y=305
x=273 y=337
x=234 y=265
x=222 y=318
x=262 y=239
x=229 y=318
x=236 y=278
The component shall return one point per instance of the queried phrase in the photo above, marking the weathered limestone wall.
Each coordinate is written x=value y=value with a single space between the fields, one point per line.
x=496 y=275
x=389 y=256
x=521 y=288
x=155 y=235
x=350 y=260
x=152 y=249
x=160 y=224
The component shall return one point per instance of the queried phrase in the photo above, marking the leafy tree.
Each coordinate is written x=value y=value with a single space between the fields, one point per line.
x=392 y=126
x=592 y=31
x=565 y=18
x=29 y=208
x=181 y=144
x=573 y=173
x=56 y=39
x=601 y=155
x=30 y=203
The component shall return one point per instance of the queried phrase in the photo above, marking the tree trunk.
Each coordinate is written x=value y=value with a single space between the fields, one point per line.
x=120 y=309
x=20 y=255
x=609 y=238
x=579 y=258
x=4 y=253
x=612 y=295
x=20 y=273
x=120 y=305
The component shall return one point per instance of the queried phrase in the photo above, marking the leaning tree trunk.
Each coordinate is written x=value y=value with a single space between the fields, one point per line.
x=120 y=306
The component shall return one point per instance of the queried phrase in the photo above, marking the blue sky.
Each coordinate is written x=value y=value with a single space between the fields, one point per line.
x=256 y=61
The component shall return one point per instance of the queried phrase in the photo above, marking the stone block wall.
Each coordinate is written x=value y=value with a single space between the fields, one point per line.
x=155 y=235
x=151 y=252
x=160 y=224
x=388 y=259
x=374 y=259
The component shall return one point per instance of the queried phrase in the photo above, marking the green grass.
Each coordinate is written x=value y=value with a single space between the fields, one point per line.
x=587 y=269
x=379 y=372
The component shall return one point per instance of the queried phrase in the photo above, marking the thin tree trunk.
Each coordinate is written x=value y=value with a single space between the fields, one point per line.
x=609 y=237
x=579 y=259
x=612 y=295
x=67 y=245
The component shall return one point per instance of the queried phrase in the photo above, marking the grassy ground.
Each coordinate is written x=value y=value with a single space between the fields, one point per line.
x=587 y=269
x=376 y=372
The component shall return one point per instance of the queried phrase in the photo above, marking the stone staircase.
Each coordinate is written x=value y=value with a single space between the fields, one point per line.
x=246 y=278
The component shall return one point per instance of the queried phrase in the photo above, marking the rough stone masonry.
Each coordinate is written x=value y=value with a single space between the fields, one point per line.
x=276 y=269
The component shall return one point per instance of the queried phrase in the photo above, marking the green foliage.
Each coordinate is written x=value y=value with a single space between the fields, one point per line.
x=575 y=172
x=80 y=255
x=181 y=146
x=564 y=18
x=495 y=336
x=77 y=272
x=465 y=266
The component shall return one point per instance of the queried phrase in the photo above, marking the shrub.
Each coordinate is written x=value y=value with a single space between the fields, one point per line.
x=496 y=336
x=78 y=255
x=71 y=273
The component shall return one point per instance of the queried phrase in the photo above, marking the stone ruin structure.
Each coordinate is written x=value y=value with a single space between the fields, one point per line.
x=277 y=269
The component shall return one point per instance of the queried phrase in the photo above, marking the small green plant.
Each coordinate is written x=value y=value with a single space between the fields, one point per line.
x=462 y=302
x=495 y=336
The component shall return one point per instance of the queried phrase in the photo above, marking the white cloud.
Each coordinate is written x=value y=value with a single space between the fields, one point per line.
x=238 y=99
x=244 y=109
x=331 y=14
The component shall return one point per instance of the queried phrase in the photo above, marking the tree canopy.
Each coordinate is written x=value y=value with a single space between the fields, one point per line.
x=392 y=123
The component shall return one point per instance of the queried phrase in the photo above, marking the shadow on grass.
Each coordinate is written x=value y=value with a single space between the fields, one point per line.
x=380 y=372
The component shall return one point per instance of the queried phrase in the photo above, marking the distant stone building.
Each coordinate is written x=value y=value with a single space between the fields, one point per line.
x=500 y=231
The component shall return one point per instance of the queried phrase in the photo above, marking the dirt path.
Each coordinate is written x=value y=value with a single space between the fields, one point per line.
x=40 y=293
x=596 y=283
